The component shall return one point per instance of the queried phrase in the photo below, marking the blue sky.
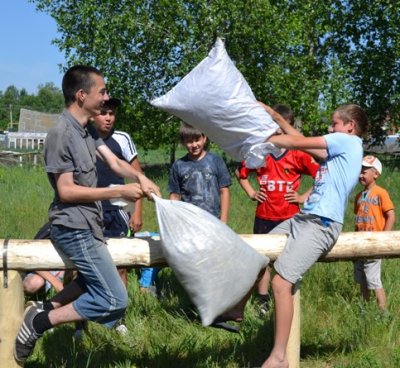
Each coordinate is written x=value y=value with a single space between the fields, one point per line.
x=27 y=57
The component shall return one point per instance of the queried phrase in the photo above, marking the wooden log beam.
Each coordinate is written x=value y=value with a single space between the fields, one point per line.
x=350 y=245
x=41 y=255
x=134 y=252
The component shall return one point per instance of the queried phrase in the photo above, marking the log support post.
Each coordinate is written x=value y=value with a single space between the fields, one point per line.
x=11 y=311
x=293 y=348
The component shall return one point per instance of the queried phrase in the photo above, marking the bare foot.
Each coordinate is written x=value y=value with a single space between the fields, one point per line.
x=274 y=362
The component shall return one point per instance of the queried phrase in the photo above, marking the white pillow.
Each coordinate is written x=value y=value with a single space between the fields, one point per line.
x=216 y=99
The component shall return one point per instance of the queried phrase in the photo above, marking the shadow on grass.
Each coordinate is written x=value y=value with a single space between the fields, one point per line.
x=246 y=350
x=317 y=351
x=197 y=347
x=220 y=349
x=60 y=349
x=172 y=314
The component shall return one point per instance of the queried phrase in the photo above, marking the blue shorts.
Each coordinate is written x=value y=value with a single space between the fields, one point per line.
x=106 y=298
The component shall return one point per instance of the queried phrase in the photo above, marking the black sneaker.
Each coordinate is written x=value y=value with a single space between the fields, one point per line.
x=264 y=303
x=27 y=336
x=80 y=328
x=35 y=303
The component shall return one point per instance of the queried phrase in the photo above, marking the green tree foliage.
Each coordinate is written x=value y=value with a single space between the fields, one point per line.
x=310 y=55
x=49 y=99
x=373 y=56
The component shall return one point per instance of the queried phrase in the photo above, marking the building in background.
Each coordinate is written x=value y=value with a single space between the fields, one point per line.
x=32 y=130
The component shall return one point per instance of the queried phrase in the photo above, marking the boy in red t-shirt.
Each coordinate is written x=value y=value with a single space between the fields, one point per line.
x=374 y=212
x=277 y=197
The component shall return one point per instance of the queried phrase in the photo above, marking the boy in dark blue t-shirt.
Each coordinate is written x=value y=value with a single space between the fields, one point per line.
x=200 y=177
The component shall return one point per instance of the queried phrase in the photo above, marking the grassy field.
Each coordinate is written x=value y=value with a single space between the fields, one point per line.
x=337 y=328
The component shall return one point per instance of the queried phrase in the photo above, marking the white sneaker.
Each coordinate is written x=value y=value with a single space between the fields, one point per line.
x=151 y=290
x=121 y=329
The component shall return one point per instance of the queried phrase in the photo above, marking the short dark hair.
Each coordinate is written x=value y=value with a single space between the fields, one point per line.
x=187 y=132
x=112 y=104
x=285 y=111
x=355 y=113
x=76 y=78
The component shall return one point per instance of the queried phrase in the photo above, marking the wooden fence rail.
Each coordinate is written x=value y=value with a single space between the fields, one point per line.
x=27 y=255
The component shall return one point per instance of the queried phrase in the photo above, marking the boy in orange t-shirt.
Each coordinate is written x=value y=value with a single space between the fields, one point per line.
x=374 y=212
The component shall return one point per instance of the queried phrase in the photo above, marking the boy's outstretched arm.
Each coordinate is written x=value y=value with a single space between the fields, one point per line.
x=315 y=146
x=69 y=192
x=125 y=170
x=315 y=149
x=54 y=281
x=135 y=221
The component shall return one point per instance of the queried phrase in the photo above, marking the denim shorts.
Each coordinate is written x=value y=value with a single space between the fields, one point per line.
x=105 y=298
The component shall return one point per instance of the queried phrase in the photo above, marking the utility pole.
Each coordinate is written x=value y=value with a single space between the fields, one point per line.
x=11 y=119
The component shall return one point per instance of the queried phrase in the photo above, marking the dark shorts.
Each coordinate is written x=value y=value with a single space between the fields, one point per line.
x=262 y=226
x=115 y=223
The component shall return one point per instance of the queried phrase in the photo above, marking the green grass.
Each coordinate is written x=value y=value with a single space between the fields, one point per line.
x=337 y=328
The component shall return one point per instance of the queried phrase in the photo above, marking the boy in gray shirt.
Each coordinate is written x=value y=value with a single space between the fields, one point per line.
x=71 y=150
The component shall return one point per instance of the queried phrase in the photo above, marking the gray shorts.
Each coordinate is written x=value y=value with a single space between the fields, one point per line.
x=368 y=273
x=309 y=237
